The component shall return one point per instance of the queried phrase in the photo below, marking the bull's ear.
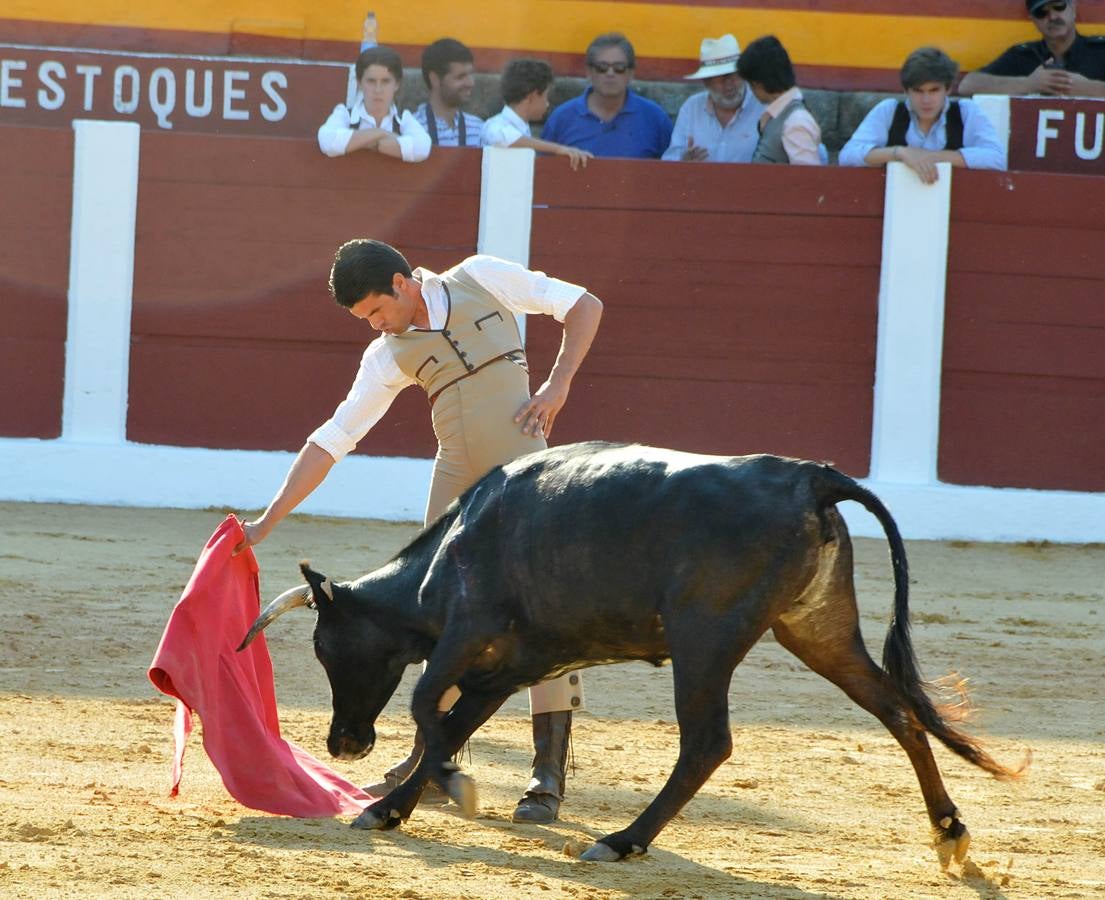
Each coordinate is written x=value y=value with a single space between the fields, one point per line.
x=322 y=588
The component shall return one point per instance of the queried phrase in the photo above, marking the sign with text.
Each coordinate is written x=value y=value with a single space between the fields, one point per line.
x=222 y=95
x=1057 y=135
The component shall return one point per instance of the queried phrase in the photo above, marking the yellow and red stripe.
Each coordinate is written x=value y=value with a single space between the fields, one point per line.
x=835 y=43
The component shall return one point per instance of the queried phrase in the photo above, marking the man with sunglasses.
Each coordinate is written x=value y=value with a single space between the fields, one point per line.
x=608 y=118
x=1064 y=63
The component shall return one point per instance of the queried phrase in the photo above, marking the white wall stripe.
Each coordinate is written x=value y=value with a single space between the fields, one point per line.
x=101 y=273
x=506 y=207
x=906 y=421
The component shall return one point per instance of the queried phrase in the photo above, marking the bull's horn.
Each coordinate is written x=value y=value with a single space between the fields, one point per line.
x=290 y=599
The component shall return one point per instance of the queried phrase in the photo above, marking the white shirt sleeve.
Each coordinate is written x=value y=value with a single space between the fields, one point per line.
x=873 y=131
x=521 y=290
x=498 y=132
x=379 y=380
x=335 y=133
x=414 y=140
x=680 y=133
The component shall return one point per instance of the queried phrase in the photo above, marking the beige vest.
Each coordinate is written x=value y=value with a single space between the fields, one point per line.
x=478 y=331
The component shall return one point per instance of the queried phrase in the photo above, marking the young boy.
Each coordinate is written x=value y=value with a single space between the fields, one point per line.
x=926 y=127
x=788 y=131
x=525 y=86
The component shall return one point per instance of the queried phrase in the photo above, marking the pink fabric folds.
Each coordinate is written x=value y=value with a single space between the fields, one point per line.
x=233 y=693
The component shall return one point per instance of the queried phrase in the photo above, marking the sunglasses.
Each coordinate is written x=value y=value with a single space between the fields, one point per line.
x=1042 y=12
x=618 y=68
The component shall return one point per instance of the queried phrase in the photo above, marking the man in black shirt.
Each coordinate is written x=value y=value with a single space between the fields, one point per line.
x=1064 y=63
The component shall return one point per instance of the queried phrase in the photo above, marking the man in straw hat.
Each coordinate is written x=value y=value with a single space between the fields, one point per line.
x=718 y=124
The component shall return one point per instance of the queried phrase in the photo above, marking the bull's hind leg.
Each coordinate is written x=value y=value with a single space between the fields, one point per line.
x=703 y=658
x=826 y=638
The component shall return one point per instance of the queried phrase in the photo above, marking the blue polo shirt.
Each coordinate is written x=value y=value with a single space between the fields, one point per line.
x=641 y=128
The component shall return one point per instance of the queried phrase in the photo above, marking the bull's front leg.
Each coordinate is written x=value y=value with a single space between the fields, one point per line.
x=443 y=739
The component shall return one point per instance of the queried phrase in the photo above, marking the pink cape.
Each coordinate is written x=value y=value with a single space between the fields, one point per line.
x=233 y=692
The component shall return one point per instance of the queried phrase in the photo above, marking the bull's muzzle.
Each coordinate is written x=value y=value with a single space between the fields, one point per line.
x=344 y=744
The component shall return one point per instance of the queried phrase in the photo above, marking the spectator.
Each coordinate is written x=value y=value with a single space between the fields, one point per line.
x=926 y=127
x=525 y=88
x=719 y=124
x=608 y=118
x=1064 y=63
x=788 y=131
x=373 y=123
x=447 y=69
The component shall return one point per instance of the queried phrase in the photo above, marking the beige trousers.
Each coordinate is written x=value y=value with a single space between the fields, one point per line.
x=474 y=424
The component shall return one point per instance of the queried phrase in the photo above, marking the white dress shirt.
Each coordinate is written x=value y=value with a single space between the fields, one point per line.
x=504 y=129
x=379 y=379
x=981 y=147
x=337 y=131
x=734 y=142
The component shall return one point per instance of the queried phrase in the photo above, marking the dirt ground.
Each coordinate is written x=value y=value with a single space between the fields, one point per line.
x=816 y=801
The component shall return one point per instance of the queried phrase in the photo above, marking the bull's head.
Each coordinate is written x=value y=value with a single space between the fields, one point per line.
x=364 y=654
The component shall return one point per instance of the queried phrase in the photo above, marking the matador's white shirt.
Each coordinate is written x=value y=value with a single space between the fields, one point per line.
x=379 y=380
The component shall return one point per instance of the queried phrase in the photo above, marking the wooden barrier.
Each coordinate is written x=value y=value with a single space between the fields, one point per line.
x=36 y=190
x=1024 y=369
x=236 y=342
x=740 y=304
x=741 y=307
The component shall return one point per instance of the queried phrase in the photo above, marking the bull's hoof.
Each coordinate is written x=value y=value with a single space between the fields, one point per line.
x=462 y=790
x=600 y=852
x=372 y=819
x=952 y=844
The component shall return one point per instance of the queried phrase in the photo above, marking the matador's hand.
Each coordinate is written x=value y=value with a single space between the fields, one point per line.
x=539 y=412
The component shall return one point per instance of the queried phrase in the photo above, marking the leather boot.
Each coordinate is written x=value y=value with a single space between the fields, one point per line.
x=541 y=802
x=432 y=795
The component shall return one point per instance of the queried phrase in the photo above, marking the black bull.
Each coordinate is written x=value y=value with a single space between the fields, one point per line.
x=596 y=553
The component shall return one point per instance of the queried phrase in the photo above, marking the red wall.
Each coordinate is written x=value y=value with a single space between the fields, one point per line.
x=1024 y=351
x=740 y=302
x=236 y=342
x=36 y=199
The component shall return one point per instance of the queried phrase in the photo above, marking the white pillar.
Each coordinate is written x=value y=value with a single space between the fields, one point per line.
x=101 y=276
x=906 y=426
x=996 y=108
x=506 y=207
x=506 y=203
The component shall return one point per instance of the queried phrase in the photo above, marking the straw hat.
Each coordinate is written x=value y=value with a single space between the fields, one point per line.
x=717 y=56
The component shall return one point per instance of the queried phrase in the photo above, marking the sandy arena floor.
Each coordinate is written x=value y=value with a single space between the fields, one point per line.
x=816 y=801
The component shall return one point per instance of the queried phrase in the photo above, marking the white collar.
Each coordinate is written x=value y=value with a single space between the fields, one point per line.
x=516 y=120
x=358 y=114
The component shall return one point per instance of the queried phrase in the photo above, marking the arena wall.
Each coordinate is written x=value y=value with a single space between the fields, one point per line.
x=1023 y=402
x=36 y=179
x=748 y=309
x=730 y=293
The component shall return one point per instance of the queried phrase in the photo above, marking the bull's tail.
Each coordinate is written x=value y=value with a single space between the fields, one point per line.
x=898 y=658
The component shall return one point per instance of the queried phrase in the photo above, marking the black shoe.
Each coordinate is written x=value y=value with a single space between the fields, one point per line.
x=536 y=809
